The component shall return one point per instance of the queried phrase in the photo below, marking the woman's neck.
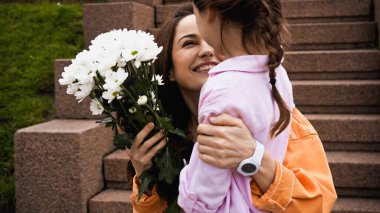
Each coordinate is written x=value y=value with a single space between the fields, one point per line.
x=191 y=99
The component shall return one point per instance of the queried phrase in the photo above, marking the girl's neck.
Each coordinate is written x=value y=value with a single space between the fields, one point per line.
x=233 y=44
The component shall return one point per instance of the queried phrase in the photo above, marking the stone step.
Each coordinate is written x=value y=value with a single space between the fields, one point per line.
x=332 y=36
x=365 y=166
x=333 y=64
x=329 y=36
x=111 y=201
x=115 y=201
x=347 y=132
x=356 y=205
x=355 y=170
x=299 y=10
x=337 y=97
x=116 y=174
x=102 y=17
x=146 y=2
x=358 y=192
x=58 y=165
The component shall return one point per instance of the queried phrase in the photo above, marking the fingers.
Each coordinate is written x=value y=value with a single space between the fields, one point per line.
x=142 y=134
x=215 y=160
x=211 y=141
x=208 y=159
x=217 y=123
x=153 y=151
x=207 y=150
x=206 y=129
x=225 y=120
x=151 y=141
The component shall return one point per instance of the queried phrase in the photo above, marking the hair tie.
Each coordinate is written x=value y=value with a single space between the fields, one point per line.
x=272 y=81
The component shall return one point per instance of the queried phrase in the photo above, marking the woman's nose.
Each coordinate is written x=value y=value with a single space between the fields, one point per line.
x=206 y=50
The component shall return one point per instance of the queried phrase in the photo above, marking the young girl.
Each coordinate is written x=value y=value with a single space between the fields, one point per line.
x=250 y=84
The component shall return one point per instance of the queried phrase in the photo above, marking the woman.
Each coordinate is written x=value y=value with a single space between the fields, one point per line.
x=293 y=186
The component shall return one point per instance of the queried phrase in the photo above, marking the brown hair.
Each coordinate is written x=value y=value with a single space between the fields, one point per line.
x=170 y=95
x=171 y=98
x=262 y=24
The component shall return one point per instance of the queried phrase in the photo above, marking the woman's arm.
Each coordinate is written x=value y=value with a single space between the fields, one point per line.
x=297 y=184
x=221 y=145
x=304 y=179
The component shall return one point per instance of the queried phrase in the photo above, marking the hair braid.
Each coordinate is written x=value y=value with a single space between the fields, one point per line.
x=273 y=28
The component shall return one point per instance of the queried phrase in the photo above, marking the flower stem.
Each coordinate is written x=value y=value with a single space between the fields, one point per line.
x=122 y=107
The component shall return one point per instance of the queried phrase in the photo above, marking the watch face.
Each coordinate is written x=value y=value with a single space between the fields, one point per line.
x=249 y=168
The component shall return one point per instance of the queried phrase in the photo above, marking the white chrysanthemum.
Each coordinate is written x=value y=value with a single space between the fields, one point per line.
x=154 y=100
x=132 y=110
x=114 y=80
x=83 y=91
x=72 y=89
x=96 y=107
x=69 y=75
x=112 y=94
x=153 y=96
x=159 y=79
x=142 y=100
x=107 y=50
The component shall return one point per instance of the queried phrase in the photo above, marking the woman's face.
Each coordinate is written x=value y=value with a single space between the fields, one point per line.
x=192 y=56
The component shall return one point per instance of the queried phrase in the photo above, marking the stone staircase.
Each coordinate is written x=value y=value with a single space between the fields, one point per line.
x=334 y=65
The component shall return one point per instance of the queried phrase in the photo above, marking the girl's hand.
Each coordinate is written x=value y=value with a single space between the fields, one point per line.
x=141 y=154
x=225 y=142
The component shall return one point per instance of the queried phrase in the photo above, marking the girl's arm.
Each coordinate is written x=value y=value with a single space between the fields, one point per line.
x=204 y=187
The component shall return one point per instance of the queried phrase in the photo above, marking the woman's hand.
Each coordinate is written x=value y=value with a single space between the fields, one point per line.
x=225 y=142
x=141 y=154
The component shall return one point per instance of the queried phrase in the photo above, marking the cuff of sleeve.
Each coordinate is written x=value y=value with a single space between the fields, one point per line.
x=146 y=203
x=279 y=194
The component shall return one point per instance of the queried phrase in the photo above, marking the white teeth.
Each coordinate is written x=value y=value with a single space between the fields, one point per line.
x=204 y=68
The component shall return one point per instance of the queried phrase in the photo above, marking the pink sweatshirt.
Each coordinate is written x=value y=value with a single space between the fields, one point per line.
x=240 y=87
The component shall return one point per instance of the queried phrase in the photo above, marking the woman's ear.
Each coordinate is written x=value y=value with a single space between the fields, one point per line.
x=172 y=75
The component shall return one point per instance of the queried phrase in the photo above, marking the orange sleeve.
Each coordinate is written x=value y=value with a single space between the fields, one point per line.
x=304 y=179
x=146 y=203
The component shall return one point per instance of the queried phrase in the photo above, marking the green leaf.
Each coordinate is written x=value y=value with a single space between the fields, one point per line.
x=178 y=132
x=105 y=121
x=167 y=171
x=144 y=184
x=165 y=123
x=123 y=140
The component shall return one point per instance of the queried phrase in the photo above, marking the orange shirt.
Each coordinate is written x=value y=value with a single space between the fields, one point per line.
x=302 y=181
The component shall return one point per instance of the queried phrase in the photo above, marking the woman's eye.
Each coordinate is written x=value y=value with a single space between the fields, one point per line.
x=188 y=43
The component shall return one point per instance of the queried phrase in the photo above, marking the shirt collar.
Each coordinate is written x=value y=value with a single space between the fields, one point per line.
x=245 y=63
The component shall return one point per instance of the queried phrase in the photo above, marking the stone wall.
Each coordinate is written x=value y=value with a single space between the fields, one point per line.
x=52 y=1
x=377 y=18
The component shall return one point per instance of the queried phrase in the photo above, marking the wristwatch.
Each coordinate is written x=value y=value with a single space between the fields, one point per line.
x=251 y=165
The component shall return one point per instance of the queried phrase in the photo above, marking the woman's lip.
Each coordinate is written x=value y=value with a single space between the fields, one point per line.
x=213 y=63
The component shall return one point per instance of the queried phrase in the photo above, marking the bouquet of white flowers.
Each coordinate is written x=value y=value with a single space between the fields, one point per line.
x=117 y=73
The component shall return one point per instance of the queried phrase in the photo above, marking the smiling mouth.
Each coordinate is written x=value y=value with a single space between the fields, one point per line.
x=204 y=68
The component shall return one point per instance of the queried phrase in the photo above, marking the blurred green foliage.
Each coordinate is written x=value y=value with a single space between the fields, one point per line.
x=32 y=36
